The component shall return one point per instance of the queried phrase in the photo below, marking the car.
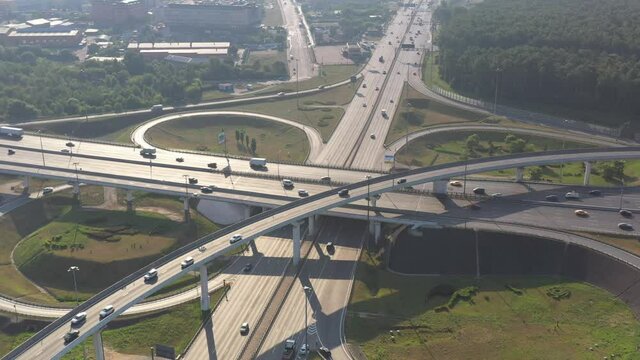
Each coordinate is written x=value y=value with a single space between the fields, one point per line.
x=398 y=72
x=572 y=195
x=47 y=190
x=180 y=159
x=496 y=195
x=11 y=151
x=212 y=165
x=595 y=192
x=281 y=93
x=581 y=213
x=70 y=336
x=384 y=72
x=321 y=87
x=455 y=183
x=479 y=191
x=188 y=261
x=289 y=349
x=389 y=42
x=553 y=198
x=244 y=328
x=247 y=267
x=373 y=136
x=235 y=238
x=475 y=206
x=625 y=213
x=79 y=319
x=66 y=151
x=151 y=275
x=343 y=193
x=206 y=189
x=401 y=181
x=70 y=144
x=364 y=104
x=625 y=226
x=364 y=86
x=330 y=248
x=392 y=101
x=287 y=183
x=303 y=193
x=193 y=180
x=304 y=350
x=377 y=88
x=414 y=74
x=108 y=310
x=325 y=178
x=324 y=351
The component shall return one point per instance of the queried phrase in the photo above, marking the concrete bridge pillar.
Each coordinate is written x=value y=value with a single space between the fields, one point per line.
x=204 y=288
x=373 y=201
x=519 y=174
x=26 y=182
x=312 y=225
x=187 y=215
x=247 y=211
x=129 y=200
x=440 y=186
x=377 y=232
x=587 y=173
x=76 y=191
x=97 y=344
x=297 y=242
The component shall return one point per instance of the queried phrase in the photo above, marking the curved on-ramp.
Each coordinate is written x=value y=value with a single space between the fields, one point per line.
x=138 y=135
x=47 y=344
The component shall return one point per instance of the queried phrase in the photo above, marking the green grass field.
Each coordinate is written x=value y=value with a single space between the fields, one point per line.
x=496 y=324
x=200 y=133
x=431 y=72
x=272 y=13
x=329 y=74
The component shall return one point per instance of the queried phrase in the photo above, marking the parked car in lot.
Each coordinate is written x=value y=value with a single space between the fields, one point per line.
x=151 y=275
x=625 y=226
x=235 y=238
x=625 y=213
x=188 y=261
x=79 y=319
x=71 y=335
x=108 y=310
x=581 y=213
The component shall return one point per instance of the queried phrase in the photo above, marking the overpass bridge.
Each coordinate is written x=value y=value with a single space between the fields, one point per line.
x=48 y=344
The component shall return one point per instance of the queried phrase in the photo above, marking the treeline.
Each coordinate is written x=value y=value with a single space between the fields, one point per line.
x=576 y=53
x=37 y=83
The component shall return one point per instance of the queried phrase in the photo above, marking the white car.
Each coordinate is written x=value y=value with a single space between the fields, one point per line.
x=303 y=193
x=79 y=319
x=581 y=213
x=235 y=238
x=287 y=183
x=151 y=275
x=47 y=190
x=108 y=310
x=572 y=195
x=188 y=261
x=455 y=183
x=304 y=350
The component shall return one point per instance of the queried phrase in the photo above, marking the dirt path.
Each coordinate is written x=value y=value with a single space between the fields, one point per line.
x=113 y=355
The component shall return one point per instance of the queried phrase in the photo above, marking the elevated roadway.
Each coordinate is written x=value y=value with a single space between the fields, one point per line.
x=47 y=344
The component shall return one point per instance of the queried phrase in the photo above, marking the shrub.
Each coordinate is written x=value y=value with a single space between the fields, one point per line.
x=464 y=294
x=558 y=293
x=514 y=290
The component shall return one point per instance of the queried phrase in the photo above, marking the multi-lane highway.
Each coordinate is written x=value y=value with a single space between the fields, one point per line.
x=301 y=63
x=132 y=289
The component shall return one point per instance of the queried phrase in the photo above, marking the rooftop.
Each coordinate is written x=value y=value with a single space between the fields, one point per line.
x=179 y=45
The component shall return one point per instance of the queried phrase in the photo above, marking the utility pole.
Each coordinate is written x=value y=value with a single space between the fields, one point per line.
x=297 y=86
x=307 y=291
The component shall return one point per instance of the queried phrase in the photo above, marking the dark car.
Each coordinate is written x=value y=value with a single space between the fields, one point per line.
x=247 y=267
x=343 y=193
x=70 y=144
x=553 y=198
x=625 y=213
x=70 y=336
x=330 y=248
x=475 y=207
x=595 y=192
x=212 y=165
x=180 y=159
x=193 y=180
x=324 y=351
x=625 y=226
x=206 y=189
x=479 y=191
x=402 y=181
x=11 y=151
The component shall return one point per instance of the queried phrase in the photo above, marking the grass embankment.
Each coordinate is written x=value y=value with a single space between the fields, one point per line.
x=21 y=222
x=200 y=133
x=328 y=74
x=431 y=72
x=111 y=244
x=272 y=13
x=629 y=243
x=508 y=318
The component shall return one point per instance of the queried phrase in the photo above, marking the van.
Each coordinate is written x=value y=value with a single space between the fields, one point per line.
x=151 y=275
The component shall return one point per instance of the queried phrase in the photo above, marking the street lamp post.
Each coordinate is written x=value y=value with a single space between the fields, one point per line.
x=75 y=164
x=41 y=148
x=186 y=185
x=73 y=270
x=307 y=291
x=297 y=86
x=368 y=177
x=621 y=193
x=495 y=99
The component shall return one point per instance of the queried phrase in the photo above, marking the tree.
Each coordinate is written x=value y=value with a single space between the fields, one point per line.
x=472 y=142
x=20 y=110
x=134 y=63
x=237 y=136
x=517 y=146
x=246 y=139
x=535 y=173
x=253 y=145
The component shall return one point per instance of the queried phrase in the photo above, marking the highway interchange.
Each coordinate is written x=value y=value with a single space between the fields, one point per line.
x=329 y=277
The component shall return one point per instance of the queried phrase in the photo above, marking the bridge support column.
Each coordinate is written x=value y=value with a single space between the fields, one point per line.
x=76 y=191
x=377 y=231
x=312 y=225
x=130 y=200
x=519 y=174
x=204 y=288
x=247 y=211
x=440 y=187
x=187 y=215
x=26 y=182
x=97 y=344
x=297 y=242
x=373 y=201
x=587 y=173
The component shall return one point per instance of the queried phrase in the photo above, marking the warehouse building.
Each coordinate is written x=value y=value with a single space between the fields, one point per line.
x=212 y=14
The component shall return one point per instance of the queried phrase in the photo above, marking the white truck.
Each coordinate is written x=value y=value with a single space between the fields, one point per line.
x=11 y=131
x=258 y=162
x=148 y=152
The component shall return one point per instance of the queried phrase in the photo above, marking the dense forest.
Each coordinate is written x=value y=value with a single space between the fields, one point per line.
x=575 y=53
x=36 y=82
